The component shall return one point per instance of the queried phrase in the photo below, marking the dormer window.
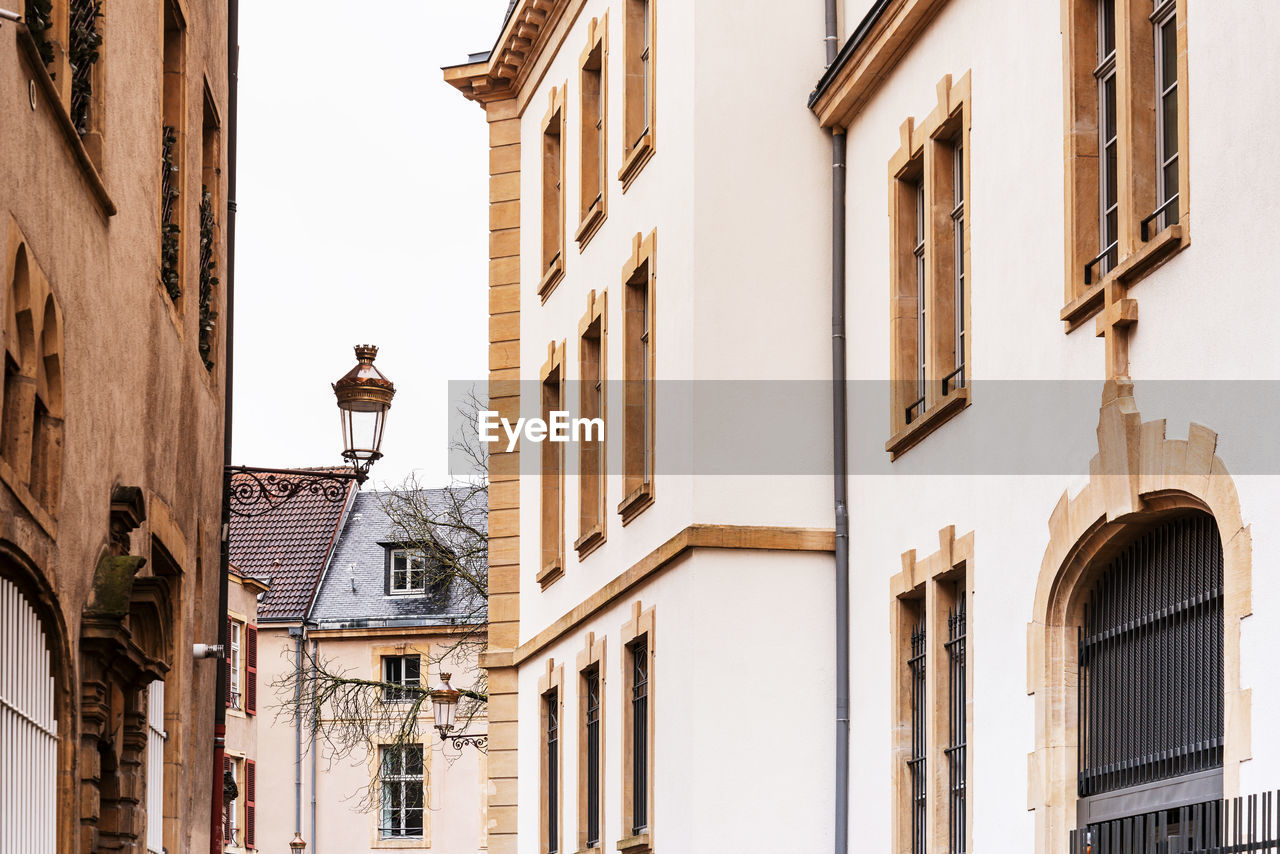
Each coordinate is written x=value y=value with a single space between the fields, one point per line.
x=408 y=573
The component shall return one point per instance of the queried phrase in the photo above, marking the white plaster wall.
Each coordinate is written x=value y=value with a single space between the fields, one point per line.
x=744 y=708
x=1206 y=314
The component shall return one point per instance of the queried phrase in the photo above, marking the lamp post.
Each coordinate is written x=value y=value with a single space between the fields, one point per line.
x=363 y=395
x=444 y=703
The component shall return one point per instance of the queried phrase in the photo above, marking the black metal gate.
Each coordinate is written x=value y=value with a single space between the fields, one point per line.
x=1233 y=826
x=1151 y=680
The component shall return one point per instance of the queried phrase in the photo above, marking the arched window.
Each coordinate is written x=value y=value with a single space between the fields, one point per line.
x=46 y=422
x=1150 y=712
x=19 y=367
x=28 y=729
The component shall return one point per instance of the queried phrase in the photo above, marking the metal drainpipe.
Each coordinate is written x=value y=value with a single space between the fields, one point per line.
x=840 y=441
x=315 y=656
x=299 y=638
x=224 y=555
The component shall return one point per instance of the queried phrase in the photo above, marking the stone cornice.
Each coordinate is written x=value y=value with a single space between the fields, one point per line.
x=503 y=72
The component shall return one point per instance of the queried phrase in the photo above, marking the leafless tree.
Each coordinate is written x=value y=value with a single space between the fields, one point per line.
x=349 y=716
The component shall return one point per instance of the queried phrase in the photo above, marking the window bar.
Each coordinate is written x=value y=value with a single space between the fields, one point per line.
x=957 y=721
x=916 y=765
x=593 y=758
x=553 y=774
x=640 y=736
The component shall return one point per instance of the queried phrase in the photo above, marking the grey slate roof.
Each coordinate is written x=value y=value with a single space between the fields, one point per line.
x=353 y=589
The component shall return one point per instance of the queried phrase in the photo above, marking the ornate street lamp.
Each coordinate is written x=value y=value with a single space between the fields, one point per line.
x=444 y=702
x=364 y=396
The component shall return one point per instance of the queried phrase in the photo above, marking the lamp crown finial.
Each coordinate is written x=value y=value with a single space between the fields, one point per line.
x=366 y=353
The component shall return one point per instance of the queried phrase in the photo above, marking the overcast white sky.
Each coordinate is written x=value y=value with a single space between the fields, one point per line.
x=362 y=219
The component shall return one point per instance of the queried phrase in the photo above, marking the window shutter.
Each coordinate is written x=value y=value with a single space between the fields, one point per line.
x=226 y=651
x=251 y=670
x=227 y=809
x=250 y=804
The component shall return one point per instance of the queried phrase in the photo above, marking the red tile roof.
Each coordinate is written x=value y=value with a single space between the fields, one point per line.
x=289 y=545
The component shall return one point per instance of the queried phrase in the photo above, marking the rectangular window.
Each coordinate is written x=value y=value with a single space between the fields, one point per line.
x=1108 y=140
x=173 y=134
x=591 y=447
x=591 y=723
x=1126 y=186
x=551 y=746
x=552 y=474
x=408 y=573
x=552 y=195
x=593 y=187
x=956 y=378
x=210 y=232
x=929 y=276
x=638 y=653
x=234 y=629
x=957 y=727
x=917 y=764
x=231 y=766
x=402 y=678
x=156 y=737
x=638 y=370
x=1166 y=47
x=402 y=791
x=638 y=89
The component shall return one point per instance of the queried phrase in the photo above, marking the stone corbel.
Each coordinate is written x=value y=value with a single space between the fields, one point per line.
x=1119 y=449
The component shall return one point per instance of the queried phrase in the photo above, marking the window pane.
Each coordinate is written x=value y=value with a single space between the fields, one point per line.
x=1112 y=186
x=1169 y=53
x=413 y=763
x=1107 y=25
x=412 y=670
x=1170 y=125
x=1109 y=112
x=1171 y=187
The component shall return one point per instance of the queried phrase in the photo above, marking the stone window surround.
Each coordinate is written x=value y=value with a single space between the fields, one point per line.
x=552 y=208
x=1135 y=75
x=550 y=687
x=640 y=624
x=375 y=813
x=637 y=150
x=594 y=61
x=638 y=486
x=926 y=586
x=925 y=152
x=1137 y=473
x=592 y=655
x=592 y=522
x=551 y=489
x=30 y=310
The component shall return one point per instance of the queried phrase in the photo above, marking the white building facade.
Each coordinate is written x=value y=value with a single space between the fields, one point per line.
x=1058 y=615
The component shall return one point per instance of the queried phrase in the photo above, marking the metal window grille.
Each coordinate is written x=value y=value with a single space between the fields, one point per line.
x=156 y=738
x=403 y=788
x=28 y=730
x=402 y=675
x=208 y=281
x=639 y=735
x=1165 y=20
x=169 y=230
x=1150 y=658
x=553 y=772
x=593 y=757
x=82 y=55
x=1108 y=141
x=957 y=721
x=916 y=765
x=957 y=378
x=1246 y=824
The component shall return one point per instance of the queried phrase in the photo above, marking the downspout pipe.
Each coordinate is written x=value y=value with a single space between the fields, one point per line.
x=840 y=457
x=315 y=656
x=224 y=554
x=299 y=639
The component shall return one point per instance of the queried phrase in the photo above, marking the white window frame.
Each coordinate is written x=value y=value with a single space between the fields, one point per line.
x=390 y=695
x=410 y=560
x=237 y=634
x=403 y=781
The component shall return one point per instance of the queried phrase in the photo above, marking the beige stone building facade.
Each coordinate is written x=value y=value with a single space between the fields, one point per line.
x=113 y=226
